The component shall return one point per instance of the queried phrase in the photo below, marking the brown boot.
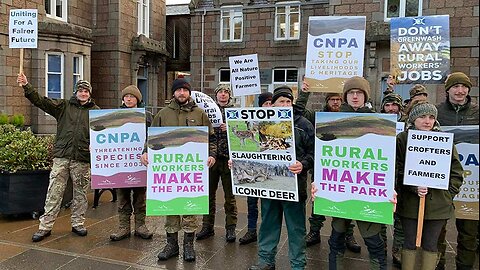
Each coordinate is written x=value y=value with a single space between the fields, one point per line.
x=123 y=228
x=143 y=232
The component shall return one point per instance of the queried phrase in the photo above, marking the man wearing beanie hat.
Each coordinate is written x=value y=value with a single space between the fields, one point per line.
x=418 y=92
x=182 y=111
x=221 y=171
x=457 y=110
x=71 y=154
x=392 y=103
x=438 y=202
x=274 y=211
x=132 y=200
x=332 y=104
x=265 y=99
x=356 y=92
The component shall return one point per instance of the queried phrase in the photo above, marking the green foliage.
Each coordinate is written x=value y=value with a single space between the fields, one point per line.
x=22 y=150
x=3 y=119
x=17 y=120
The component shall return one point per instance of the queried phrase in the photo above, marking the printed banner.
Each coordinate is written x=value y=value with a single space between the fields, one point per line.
x=210 y=107
x=355 y=165
x=244 y=75
x=23 y=28
x=262 y=147
x=116 y=143
x=177 y=171
x=466 y=141
x=420 y=49
x=428 y=159
x=335 y=49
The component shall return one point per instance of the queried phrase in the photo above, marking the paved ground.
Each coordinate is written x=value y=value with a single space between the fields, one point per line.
x=64 y=250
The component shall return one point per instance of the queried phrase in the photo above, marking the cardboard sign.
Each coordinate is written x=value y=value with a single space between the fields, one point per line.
x=262 y=147
x=420 y=49
x=244 y=75
x=177 y=171
x=117 y=138
x=23 y=28
x=428 y=159
x=335 y=49
x=355 y=165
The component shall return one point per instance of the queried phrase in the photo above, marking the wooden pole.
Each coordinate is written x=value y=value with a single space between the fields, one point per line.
x=421 y=212
x=21 y=60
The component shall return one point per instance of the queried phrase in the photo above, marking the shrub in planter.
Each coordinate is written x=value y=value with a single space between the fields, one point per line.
x=25 y=163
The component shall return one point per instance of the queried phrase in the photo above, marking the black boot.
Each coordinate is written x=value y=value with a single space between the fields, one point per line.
x=171 y=249
x=312 y=238
x=188 y=249
x=205 y=232
x=231 y=234
x=352 y=244
x=249 y=237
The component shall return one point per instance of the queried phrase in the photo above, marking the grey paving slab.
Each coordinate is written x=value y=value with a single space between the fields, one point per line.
x=36 y=259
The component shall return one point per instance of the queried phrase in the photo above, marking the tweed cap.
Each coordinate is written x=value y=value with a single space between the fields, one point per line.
x=356 y=83
x=456 y=78
x=420 y=109
x=132 y=90
x=417 y=90
x=392 y=98
x=282 y=91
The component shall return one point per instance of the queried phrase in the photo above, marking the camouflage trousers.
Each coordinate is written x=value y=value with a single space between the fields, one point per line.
x=62 y=169
x=131 y=200
x=175 y=223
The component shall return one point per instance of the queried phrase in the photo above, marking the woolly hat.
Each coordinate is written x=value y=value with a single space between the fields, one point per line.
x=181 y=83
x=420 y=109
x=456 y=78
x=84 y=85
x=282 y=91
x=392 y=98
x=356 y=83
x=330 y=95
x=132 y=90
x=264 y=97
x=417 y=90
x=225 y=87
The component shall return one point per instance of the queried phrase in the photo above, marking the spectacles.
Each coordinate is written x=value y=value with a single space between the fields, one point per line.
x=355 y=92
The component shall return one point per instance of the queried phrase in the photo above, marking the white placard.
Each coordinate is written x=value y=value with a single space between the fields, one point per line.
x=206 y=103
x=428 y=159
x=244 y=75
x=23 y=28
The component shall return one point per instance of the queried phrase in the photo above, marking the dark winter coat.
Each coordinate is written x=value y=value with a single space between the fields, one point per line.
x=454 y=115
x=222 y=141
x=438 y=203
x=304 y=149
x=73 y=134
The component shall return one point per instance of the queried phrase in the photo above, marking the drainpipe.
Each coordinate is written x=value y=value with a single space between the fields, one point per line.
x=202 y=56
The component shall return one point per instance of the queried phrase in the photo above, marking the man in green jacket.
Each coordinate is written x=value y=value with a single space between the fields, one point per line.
x=182 y=111
x=71 y=154
x=458 y=110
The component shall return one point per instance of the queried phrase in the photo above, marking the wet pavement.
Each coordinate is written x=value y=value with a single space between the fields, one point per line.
x=65 y=250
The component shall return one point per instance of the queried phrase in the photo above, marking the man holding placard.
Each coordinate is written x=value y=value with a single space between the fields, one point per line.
x=428 y=169
x=458 y=110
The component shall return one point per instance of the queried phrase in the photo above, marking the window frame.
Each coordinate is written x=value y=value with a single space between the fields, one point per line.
x=52 y=12
x=220 y=71
x=78 y=75
x=402 y=11
x=287 y=14
x=61 y=73
x=143 y=20
x=231 y=10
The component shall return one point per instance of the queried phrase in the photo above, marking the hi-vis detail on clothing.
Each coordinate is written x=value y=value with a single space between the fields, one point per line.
x=262 y=147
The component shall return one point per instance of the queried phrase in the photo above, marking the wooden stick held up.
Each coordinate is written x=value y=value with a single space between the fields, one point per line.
x=421 y=212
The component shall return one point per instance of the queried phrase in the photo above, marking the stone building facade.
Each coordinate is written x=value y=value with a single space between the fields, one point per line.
x=112 y=44
x=282 y=56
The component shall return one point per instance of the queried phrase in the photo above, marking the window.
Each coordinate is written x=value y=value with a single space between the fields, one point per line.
x=54 y=78
x=286 y=76
x=143 y=17
x=287 y=21
x=224 y=76
x=231 y=24
x=402 y=8
x=77 y=69
x=56 y=9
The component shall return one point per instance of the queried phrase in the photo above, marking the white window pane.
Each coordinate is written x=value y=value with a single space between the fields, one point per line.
x=279 y=75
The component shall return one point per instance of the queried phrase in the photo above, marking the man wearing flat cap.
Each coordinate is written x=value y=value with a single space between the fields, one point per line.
x=458 y=110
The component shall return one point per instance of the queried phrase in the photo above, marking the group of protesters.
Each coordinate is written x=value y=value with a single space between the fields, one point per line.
x=71 y=159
